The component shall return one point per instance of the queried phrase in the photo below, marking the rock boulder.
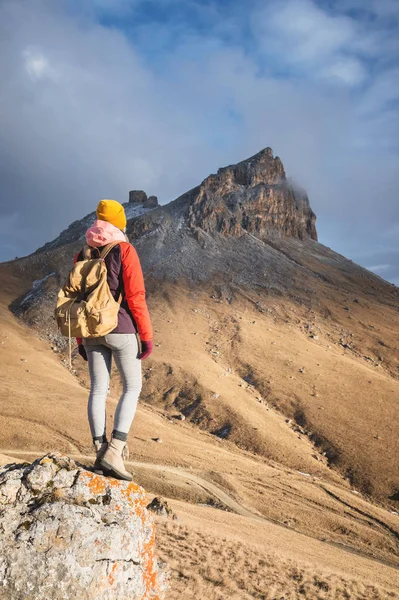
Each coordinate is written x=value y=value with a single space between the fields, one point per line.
x=68 y=533
x=137 y=196
x=151 y=202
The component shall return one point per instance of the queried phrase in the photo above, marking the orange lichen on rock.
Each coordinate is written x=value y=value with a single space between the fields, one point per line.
x=139 y=503
x=149 y=569
x=97 y=484
x=111 y=577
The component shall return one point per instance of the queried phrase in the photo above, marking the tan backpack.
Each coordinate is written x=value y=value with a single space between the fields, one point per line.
x=85 y=305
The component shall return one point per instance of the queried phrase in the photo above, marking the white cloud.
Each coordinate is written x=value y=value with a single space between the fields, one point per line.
x=383 y=90
x=319 y=43
x=111 y=121
x=346 y=70
x=37 y=65
x=302 y=35
x=379 y=268
x=314 y=35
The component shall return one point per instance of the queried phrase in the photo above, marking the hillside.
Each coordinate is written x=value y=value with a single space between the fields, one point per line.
x=244 y=522
x=281 y=355
x=265 y=311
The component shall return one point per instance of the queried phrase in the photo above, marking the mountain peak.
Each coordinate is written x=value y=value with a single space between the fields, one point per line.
x=262 y=166
x=252 y=196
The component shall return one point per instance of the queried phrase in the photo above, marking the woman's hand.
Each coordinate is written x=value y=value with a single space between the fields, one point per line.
x=146 y=349
x=82 y=351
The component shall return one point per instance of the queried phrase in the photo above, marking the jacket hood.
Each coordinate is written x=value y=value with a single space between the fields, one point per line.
x=102 y=233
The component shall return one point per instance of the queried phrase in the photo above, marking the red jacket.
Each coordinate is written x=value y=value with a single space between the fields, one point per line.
x=126 y=277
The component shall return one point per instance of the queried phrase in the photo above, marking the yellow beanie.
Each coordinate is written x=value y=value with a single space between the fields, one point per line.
x=113 y=212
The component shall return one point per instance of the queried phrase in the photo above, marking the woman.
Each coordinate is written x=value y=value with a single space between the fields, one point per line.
x=125 y=280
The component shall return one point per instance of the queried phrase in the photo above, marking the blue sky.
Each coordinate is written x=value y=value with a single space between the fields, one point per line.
x=102 y=96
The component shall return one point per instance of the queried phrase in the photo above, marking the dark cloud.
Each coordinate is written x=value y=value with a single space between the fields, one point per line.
x=89 y=111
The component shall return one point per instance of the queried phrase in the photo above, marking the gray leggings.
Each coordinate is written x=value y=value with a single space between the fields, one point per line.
x=124 y=348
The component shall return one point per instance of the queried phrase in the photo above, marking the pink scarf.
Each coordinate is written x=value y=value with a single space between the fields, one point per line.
x=102 y=233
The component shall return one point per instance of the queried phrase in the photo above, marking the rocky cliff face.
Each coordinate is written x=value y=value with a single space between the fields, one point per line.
x=253 y=196
x=140 y=197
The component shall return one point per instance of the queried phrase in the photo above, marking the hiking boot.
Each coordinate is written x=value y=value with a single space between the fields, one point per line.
x=100 y=448
x=125 y=452
x=112 y=461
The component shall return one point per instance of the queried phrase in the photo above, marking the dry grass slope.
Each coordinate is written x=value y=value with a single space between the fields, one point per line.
x=204 y=566
x=214 y=361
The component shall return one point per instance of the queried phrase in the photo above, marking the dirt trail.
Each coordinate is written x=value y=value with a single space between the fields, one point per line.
x=218 y=493
x=206 y=485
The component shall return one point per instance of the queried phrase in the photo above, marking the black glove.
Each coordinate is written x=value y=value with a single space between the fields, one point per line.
x=82 y=351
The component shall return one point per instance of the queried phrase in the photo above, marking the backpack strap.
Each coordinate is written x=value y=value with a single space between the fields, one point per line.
x=104 y=253
x=107 y=249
